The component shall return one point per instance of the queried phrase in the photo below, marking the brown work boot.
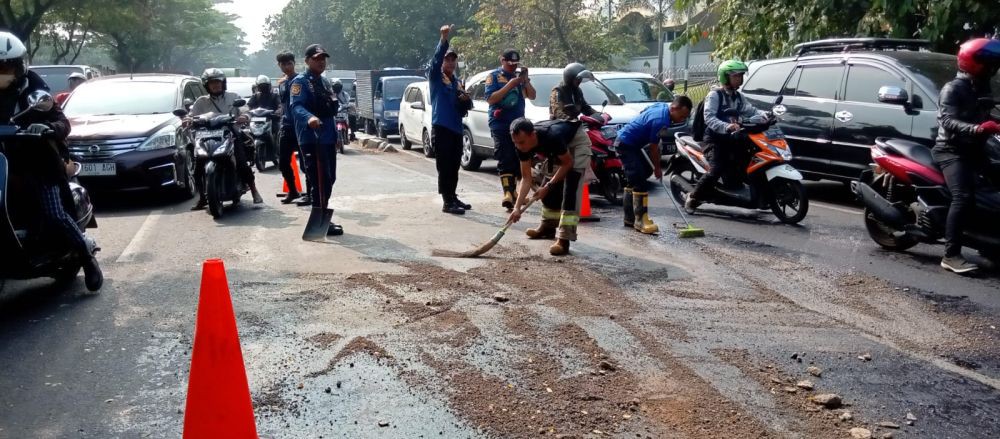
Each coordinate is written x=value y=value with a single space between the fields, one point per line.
x=546 y=230
x=509 y=185
x=560 y=248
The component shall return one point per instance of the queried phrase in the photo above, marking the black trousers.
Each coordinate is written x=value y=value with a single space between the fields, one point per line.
x=725 y=159
x=505 y=153
x=448 y=155
x=288 y=145
x=960 y=177
x=321 y=168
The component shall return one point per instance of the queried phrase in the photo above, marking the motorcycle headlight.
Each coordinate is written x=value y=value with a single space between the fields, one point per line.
x=391 y=114
x=165 y=138
x=784 y=153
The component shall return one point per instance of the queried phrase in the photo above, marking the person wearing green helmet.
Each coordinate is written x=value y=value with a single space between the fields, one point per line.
x=722 y=149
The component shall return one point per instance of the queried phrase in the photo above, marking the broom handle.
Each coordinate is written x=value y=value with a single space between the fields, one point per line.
x=669 y=194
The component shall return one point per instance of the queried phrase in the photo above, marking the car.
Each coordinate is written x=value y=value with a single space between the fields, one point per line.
x=57 y=76
x=126 y=137
x=477 y=142
x=835 y=105
x=415 y=117
x=637 y=90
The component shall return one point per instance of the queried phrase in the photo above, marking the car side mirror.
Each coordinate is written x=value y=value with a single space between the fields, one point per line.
x=188 y=102
x=239 y=102
x=180 y=112
x=40 y=100
x=893 y=95
x=622 y=97
x=417 y=106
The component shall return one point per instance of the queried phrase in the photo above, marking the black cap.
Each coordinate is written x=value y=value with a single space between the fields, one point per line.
x=316 y=50
x=451 y=53
x=511 y=55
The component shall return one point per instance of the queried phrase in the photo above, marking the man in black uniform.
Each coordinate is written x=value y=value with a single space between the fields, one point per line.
x=288 y=145
x=551 y=138
x=16 y=84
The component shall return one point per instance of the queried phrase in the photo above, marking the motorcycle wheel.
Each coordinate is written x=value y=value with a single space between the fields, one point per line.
x=790 y=202
x=67 y=274
x=215 y=184
x=259 y=159
x=678 y=192
x=613 y=188
x=882 y=234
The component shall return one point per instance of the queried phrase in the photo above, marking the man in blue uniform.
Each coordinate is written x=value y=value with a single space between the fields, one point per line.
x=657 y=123
x=446 y=129
x=313 y=109
x=506 y=89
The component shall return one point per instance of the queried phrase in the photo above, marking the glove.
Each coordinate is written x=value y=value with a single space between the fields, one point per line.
x=38 y=128
x=989 y=127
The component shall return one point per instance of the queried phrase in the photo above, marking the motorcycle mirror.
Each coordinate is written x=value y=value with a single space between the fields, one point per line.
x=779 y=100
x=180 y=112
x=40 y=100
x=622 y=97
x=188 y=102
x=239 y=102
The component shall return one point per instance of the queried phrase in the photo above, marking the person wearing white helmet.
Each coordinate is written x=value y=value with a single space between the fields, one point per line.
x=17 y=83
x=264 y=97
x=74 y=80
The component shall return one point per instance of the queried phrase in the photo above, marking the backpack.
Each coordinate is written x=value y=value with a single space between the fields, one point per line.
x=698 y=125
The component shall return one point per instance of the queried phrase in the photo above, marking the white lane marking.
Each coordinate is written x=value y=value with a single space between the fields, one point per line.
x=132 y=250
x=838 y=209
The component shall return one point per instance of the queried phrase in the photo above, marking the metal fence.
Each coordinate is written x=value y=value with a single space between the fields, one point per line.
x=694 y=81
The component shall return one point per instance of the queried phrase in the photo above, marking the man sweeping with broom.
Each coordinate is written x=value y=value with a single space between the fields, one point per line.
x=565 y=167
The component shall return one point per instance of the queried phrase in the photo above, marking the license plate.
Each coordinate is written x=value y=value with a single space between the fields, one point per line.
x=207 y=134
x=99 y=169
x=258 y=119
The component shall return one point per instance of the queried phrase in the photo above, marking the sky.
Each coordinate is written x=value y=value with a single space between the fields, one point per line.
x=252 y=16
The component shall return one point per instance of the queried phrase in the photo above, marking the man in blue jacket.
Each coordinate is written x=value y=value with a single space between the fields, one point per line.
x=446 y=122
x=313 y=108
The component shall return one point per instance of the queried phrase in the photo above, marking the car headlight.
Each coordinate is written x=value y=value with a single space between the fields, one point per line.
x=391 y=114
x=784 y=153
x=165 y=138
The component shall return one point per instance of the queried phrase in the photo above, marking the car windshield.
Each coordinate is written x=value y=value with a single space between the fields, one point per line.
x=935 y=70
x=639 y=89
x=393 y=88
x=119 y=97
x=57 y=78
x=594 y=92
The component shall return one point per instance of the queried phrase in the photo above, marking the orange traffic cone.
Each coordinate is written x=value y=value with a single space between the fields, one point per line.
x=295 y=169
x=218 y=398
x=585 y=215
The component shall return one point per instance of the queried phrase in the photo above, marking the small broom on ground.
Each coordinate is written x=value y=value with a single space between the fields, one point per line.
x=481 y=250
x=682 y=232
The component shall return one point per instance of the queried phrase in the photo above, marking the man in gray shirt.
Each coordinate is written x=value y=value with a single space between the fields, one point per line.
x=724 y=152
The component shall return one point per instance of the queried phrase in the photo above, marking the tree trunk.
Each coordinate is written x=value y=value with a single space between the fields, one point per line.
x=659 y=39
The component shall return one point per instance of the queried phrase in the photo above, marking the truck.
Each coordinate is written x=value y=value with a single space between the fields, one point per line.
x=379 y=94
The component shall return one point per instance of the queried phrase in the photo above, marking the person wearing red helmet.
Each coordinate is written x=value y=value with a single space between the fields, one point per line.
x=964 y=125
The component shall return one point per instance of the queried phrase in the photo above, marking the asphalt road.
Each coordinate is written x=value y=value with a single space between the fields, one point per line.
x=370 y=336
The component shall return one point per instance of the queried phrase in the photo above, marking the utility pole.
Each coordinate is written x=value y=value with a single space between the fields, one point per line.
x=659 y=38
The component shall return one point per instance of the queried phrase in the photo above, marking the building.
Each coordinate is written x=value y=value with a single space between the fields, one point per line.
x=692 y=60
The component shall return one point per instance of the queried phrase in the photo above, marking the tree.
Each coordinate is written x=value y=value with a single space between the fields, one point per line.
x=21 y=17
x=298 y=25
x=67 y=28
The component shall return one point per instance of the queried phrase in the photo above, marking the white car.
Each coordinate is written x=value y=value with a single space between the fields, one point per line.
x=415 y=117
x=477 y=143
x=638 y=90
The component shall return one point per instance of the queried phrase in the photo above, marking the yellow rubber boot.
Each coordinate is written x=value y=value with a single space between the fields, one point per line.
x=640 y=202
x=509 y=186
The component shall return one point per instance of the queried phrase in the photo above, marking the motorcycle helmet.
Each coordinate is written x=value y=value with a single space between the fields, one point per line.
x=730 y=67
x=337 y=86
x=979 y=57
x=12 y=54
x=575 y=71
x=213 y=74
x=263 y=84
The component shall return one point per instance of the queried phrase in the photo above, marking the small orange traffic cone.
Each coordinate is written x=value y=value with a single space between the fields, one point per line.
x=585 y=215
x=295 y=169
x=218 y=398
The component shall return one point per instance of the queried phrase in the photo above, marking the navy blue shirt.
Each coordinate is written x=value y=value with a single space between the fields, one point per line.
x=305 y=94
x=645 y=129
x=444 y=93
x=284 y=85
x=511 y=106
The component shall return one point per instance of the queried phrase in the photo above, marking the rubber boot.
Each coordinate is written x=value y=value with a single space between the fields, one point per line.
x=640 y=202
x=547 y=230
x=509 y=186
x=560 y=248
x=627 y=207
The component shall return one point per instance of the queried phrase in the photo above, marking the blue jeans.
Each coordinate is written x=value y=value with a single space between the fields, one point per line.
x=637 y=169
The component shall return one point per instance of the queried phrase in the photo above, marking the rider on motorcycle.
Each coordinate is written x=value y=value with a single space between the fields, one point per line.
x=725 y=153
x=16 y=83
x=345 y=101
x=220 y=101
x=964 y=127
x=264 y=98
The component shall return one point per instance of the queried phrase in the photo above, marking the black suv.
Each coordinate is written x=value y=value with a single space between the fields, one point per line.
x=833 y=109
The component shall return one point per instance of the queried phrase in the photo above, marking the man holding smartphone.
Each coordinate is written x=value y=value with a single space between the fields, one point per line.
x=506 y=89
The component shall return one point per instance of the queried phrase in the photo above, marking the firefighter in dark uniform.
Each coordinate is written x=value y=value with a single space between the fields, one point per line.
x=314 y=108
x=506 y=89
x=288 y=144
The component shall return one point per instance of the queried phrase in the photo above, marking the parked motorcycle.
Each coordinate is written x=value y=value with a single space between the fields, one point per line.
x=906 y=199
x=769 y=181
x=214 y=137
x=261 y=130
x=26 y=250
x=605 y=162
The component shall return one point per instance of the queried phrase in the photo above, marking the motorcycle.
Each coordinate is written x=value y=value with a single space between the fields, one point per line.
x=265 y=146
x=214 y=137
x=906 y=199
x=342 y=130
x=605 y=163
x=26 y=250
x=769 y=181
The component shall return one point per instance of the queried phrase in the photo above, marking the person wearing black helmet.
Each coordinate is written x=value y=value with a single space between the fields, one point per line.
x=16 y=84
x=964 y=126
x=506 y=90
